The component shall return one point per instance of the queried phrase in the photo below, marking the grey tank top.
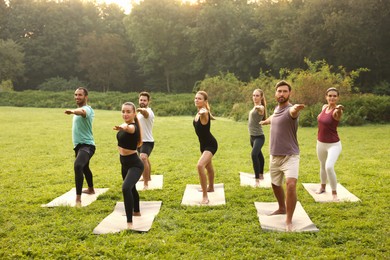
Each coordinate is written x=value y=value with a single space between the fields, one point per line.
x=254 y=119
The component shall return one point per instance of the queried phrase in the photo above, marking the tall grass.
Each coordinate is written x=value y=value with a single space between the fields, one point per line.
x=37 y=166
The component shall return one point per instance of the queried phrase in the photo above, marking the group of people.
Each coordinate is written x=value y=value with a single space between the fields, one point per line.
x=135 y=144
x=284 y=148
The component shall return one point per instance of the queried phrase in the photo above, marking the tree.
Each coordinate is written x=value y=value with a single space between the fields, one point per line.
x=11 y=60
x=157 y=30
x=222 y=39
x=104 y=59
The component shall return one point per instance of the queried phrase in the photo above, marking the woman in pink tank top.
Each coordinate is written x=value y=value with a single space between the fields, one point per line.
x=328 y=141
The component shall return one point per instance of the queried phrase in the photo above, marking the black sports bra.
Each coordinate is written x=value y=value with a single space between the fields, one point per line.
x=127 y=140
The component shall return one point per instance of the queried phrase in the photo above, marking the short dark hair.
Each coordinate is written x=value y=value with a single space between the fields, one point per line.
x=83 y=89
x=283 y=83
x=144 y=93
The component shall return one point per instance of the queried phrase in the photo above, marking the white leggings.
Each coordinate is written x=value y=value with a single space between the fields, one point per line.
x=327 y=154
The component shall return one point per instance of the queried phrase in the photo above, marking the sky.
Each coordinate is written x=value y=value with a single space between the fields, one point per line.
x=126 y=4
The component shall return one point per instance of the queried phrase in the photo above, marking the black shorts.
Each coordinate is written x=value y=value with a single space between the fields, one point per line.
x=146 y=147
x=88 y=148
x=211 y=146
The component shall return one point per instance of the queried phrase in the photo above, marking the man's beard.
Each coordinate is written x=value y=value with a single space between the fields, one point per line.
x=283 y=100
x=142 y=105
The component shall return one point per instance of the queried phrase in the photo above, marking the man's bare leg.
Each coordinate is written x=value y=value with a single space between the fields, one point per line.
x=291 y=201
x=146 y=173
x=279 y=194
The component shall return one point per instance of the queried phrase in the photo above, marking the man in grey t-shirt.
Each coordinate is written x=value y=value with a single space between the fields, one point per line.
x=284 y=151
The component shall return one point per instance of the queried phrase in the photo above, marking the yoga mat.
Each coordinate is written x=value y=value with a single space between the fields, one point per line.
x=155 y=183
x=116 y=221
x=343 y=194
x=193 y=195
x=69 y=198
x=301 y=221
x=248 y=179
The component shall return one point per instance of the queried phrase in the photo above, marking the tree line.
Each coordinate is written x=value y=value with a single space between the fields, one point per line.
x=170 y=46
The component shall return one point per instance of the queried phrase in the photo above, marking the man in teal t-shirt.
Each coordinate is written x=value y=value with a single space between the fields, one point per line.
x=83 y=142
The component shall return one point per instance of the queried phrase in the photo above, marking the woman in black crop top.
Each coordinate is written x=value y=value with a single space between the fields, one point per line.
x=208 y=144
x=129 y=139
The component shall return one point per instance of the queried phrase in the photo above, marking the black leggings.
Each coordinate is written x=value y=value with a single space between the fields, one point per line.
x=132 y=168
x=257 y=143
x=84 y=154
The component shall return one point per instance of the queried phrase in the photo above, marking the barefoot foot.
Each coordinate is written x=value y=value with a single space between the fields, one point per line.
x=289 y=227
x=137 y=214
x=320 y=191
x=210 y=189
x=89 y=191
x=205 y=201
x=129 y=225
x=278 y=212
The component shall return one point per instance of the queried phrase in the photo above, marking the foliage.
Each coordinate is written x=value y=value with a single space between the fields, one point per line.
x=28 y=231
x=168 y=45
x=6 y=86
x=310 y=85
x=367 y=108
x=11 y=60
x=383 y=88
x=157 y=29
x=59 y=84
x=223 y=89
x=104 y=59
x=360 y=108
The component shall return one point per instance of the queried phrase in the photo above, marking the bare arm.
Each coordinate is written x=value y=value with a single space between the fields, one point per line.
x=295 y=109
x=260 y=109
x=267 y=121
x=143 y=111
x=338 y=112
x=203 y=115
x=79 y=112
x=125 y=127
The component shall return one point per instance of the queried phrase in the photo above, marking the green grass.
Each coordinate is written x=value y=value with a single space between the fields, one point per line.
x=37 y=165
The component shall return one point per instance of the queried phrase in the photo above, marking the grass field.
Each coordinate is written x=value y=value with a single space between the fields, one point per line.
x=37 y=165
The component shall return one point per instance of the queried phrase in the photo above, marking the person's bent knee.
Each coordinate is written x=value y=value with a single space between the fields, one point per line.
x=144 y=156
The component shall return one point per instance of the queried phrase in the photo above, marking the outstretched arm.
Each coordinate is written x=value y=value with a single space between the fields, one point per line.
x=260 y=109
x=125 y=127
x=143 y=111
x=338 y=112
x=295 y=109
x=79 y=111
x=267 y=121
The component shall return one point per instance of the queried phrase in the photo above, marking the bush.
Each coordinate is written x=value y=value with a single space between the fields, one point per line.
x=383 y=88
x=6 y=86
x=309 y=86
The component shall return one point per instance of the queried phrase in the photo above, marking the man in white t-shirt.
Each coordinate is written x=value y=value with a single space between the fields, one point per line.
x=146 y=119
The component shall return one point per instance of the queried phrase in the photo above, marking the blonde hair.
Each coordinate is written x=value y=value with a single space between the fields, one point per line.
x=206 y=99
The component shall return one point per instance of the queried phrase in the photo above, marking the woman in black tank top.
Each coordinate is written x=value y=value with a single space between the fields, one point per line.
x=129 y=139
x=208 y=144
